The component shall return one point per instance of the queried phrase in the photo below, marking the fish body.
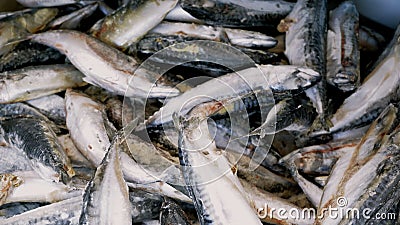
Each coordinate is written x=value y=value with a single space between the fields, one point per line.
x=234 y=84
x=236 y=13
x=132 y=21
x=16 y=85
x=305 y=28
x=343 y=55
x=103 y=65
x=106 y=198
x=209 y=179
x=37 y=140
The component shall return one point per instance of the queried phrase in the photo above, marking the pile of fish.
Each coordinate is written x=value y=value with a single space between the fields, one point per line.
x=198 y=112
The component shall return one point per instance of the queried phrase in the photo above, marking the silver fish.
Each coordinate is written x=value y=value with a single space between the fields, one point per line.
x=236 y=13
x=108 y=68
x=305 y=28
x=343 y=56
x=35 y=138
x=16 y=85
x=208 y=177
x=49 y=3
x=106 y=198
x=63 y=212
x=236 y=37
x=278 y=79
x=127 y=25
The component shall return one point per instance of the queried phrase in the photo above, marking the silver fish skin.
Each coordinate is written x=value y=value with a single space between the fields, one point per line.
x=37 y=140
x=72 y=20
x=20 y=26
x=16 y=85
x=13 y=160
x=236 y=37
x=127 y=24
x=63 y=212
x=83 y=115
x=20 y=109
x=278 y=79
x=343 y=55
x=354 y=171
x=217 y=194
x=52 y=106
x=236 y=13
x=28 y=186
x=103 y=65
x=180 y=15
x=379 y=89
x=106 y=198
x=49 y=3
x=305 y=28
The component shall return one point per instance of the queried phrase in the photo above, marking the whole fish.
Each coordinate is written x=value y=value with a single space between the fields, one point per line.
x=236 y=37
x=108 y=68
x=236 y=13
x=263 y=77
x=16 y=85
x=127 y=25
x=343 y=56
x=209 y=178
x=106 y=198
x=203 y=55
x=37 y=140
x=305 y=28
